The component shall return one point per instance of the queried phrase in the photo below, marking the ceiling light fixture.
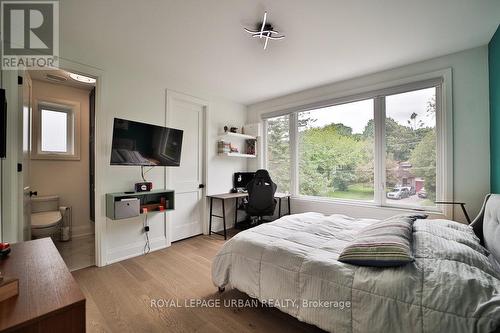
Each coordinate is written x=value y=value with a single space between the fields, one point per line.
x=82 y=78
x=266 y=31
x=56 y=77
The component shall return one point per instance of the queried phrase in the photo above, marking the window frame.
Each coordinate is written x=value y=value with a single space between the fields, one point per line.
x=72 y=109
x=444 y=136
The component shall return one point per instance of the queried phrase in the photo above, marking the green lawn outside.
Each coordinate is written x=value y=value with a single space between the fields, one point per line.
x=356 y=191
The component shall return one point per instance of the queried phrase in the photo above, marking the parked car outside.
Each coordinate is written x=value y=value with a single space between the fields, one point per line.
x=422 y=194
x=411 y=190
x=398 y=193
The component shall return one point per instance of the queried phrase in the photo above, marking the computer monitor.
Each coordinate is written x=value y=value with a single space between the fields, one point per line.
x=241 y=179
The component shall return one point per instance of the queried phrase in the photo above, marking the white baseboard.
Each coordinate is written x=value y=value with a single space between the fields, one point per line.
x=134 y=250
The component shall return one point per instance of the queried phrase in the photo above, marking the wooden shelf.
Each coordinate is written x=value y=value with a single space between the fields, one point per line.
x=238 y=155
x=236 y=135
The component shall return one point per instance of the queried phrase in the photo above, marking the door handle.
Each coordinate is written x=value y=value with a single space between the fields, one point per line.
x=201 y=186
x=33 y=193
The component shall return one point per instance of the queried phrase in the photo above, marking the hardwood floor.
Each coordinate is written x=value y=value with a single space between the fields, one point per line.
x=119 y=295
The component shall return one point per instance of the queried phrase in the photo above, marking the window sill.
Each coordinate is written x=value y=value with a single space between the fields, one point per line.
x=367 y=204
x=57 y=157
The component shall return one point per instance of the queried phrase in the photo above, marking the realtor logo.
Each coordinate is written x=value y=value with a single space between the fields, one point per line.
x=30 y=34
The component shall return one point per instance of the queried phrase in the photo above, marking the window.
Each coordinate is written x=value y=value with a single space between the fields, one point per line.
x=410 y=136
x=56 y=130
x=335 y=149
x=278 y=151
x=380 y=147
x=54 y=133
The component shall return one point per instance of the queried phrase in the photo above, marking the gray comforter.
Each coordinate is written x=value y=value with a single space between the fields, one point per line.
x=292 y=264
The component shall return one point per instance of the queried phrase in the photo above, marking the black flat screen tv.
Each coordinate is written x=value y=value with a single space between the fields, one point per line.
x=136 y=143
x=3 y=124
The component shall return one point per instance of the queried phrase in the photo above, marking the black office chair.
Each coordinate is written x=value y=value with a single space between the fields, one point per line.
x=261 y=192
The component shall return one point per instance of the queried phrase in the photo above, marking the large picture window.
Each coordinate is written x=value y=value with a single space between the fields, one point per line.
x=335 y=149
x=380 y=148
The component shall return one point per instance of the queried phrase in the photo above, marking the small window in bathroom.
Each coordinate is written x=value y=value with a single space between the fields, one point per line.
x=56 y=128
x=54 y=133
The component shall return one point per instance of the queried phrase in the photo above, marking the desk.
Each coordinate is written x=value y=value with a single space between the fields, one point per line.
x=49 y=298
x=225 y=196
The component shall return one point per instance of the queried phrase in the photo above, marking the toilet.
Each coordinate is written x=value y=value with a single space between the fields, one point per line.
x=46 y=217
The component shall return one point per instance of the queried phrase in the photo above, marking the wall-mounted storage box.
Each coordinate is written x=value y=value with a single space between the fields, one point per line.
x=122 y=205
x=127 y=208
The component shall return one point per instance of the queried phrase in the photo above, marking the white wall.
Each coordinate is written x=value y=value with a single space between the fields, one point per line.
x=69 y=179
x=470 y=125
x=221 y=168
x=124 y=238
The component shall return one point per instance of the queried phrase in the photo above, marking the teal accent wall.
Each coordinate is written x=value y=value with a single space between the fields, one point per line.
x=494 y=73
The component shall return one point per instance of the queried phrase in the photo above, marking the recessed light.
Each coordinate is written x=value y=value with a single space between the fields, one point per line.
x=82 y=78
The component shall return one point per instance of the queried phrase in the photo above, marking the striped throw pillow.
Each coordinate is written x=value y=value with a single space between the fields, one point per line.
x=382 y=244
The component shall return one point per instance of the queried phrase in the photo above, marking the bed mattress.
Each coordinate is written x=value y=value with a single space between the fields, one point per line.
x=292 y=264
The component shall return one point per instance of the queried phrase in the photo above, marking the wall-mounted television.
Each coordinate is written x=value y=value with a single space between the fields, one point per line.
x=136 y=143
x=3 y=124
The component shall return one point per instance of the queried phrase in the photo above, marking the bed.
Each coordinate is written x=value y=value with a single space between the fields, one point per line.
x=452 y=286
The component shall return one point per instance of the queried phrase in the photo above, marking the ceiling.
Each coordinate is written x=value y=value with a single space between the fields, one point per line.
x=202 y=43
x=59 y=76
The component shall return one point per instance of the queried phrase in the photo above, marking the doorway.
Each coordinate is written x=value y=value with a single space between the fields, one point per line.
x=59 y=171
x=188 y=180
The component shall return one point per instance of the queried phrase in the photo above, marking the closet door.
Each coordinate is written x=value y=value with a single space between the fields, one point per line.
x=188 y=114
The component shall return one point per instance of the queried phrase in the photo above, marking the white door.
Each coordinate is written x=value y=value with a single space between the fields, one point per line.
x=25 y=227
x=188 y=114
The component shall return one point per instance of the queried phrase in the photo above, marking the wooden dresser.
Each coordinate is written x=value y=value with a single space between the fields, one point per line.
x=49 y=298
